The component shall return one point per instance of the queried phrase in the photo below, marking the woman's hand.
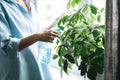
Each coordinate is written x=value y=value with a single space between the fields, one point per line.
x=48 y=36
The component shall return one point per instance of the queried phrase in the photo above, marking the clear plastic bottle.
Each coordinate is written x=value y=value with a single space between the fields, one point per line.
x=45 y=51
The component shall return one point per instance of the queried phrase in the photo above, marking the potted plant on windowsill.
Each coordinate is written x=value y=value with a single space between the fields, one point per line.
x=82 y=40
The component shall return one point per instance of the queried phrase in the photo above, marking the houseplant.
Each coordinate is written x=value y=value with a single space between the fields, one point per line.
x=82 y=40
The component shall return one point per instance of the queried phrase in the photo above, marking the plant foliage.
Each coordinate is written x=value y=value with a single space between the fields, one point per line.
x=82 y=40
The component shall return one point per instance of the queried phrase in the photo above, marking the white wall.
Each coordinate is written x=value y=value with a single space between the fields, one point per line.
x=49 y=10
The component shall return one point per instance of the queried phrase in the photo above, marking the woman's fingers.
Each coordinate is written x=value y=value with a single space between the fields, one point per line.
x=55 y=34
x=52 y=35
x=48 y=36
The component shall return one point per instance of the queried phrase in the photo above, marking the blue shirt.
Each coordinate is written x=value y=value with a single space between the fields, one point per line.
x=15 y=24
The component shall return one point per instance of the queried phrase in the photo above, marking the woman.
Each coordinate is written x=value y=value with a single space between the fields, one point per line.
x=18 y=37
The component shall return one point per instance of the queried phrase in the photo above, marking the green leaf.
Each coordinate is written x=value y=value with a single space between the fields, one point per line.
x=73 y=3
x=93 y=17
x=84 y=34
x=76 y=1
x=62 y=37
x=82 y=64
x=98 y=67
x=85 y=8
x=83 y=68
x=98 y=40
x=55 y=56
x=102 y=10
x=80 y=42
x=69 y=4
x=64 y=19
x=91 y=74
x=59 y=22
x=58 y=40
x=103 y=39
x=65 y=66
x=95 y=33
x=76 y=17
x=80 y=1
x=81 y=17
x=83 y=51
x=93 y=9
x=101 y=28
x=99 y=18
x=61 y=27
x=99 y=50
x=85 y=22
x=70 y=58
x=59 y=51
x=64 y=50
x=70 y=66
x=60 y=62
x=72 y=36
x=77 y=50
x=98 y=62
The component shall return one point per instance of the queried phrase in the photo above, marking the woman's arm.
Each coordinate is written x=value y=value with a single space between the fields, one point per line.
x=47 y=36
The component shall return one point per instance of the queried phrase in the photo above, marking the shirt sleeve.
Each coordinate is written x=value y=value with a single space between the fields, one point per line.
x=8 y=44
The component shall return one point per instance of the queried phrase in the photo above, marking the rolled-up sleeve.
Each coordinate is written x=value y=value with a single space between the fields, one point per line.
x=8 y=44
